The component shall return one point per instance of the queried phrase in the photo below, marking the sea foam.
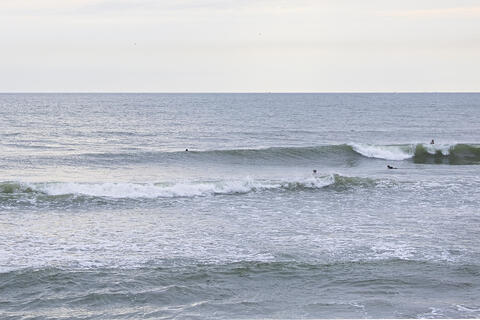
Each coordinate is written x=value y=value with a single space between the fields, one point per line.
x=183 y=189
x=383 y=152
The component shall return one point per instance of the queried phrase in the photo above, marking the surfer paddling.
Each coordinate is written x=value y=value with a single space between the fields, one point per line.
x=390 y=167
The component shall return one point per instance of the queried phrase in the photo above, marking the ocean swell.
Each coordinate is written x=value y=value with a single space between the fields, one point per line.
x=328 y=154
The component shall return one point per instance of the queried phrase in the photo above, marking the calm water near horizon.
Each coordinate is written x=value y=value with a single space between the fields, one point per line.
x=104 y=215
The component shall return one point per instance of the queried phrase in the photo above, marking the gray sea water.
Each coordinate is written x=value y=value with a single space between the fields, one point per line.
x=104 y=215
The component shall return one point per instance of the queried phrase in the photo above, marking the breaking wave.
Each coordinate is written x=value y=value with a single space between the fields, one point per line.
x=447 y=154
x=423 y=153
x=9 y=190
x=383 y=152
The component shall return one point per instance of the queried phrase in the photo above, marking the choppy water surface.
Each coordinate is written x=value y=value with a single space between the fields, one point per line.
x=103 y=214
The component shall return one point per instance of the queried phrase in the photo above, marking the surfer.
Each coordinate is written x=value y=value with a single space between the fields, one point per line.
x=432 y=142
x=390 y=167
x=314 y=172
x=186 y=149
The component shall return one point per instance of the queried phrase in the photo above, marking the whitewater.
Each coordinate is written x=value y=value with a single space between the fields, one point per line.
x=104 y=214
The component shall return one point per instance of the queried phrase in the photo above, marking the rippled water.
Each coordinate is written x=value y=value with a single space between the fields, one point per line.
x=103 y=214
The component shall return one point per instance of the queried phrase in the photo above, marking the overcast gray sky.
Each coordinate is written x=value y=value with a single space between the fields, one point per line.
x=242 y=45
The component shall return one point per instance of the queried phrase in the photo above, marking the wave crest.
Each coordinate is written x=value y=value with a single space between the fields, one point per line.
x=383 y=152
x=422 y=153
x=123 y=190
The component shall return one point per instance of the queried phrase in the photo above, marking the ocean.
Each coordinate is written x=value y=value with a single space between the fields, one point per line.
x=105 y=215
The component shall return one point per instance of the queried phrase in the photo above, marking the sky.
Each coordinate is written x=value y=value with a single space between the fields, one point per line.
x=239 y=46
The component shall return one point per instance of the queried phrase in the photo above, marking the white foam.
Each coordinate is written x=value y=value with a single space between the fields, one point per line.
x=434 y=148
x=136 y=190
x=315 y=181
x=382 y=152
x=184 y=189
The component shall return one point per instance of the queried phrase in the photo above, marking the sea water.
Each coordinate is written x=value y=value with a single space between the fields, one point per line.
x=105 y=215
